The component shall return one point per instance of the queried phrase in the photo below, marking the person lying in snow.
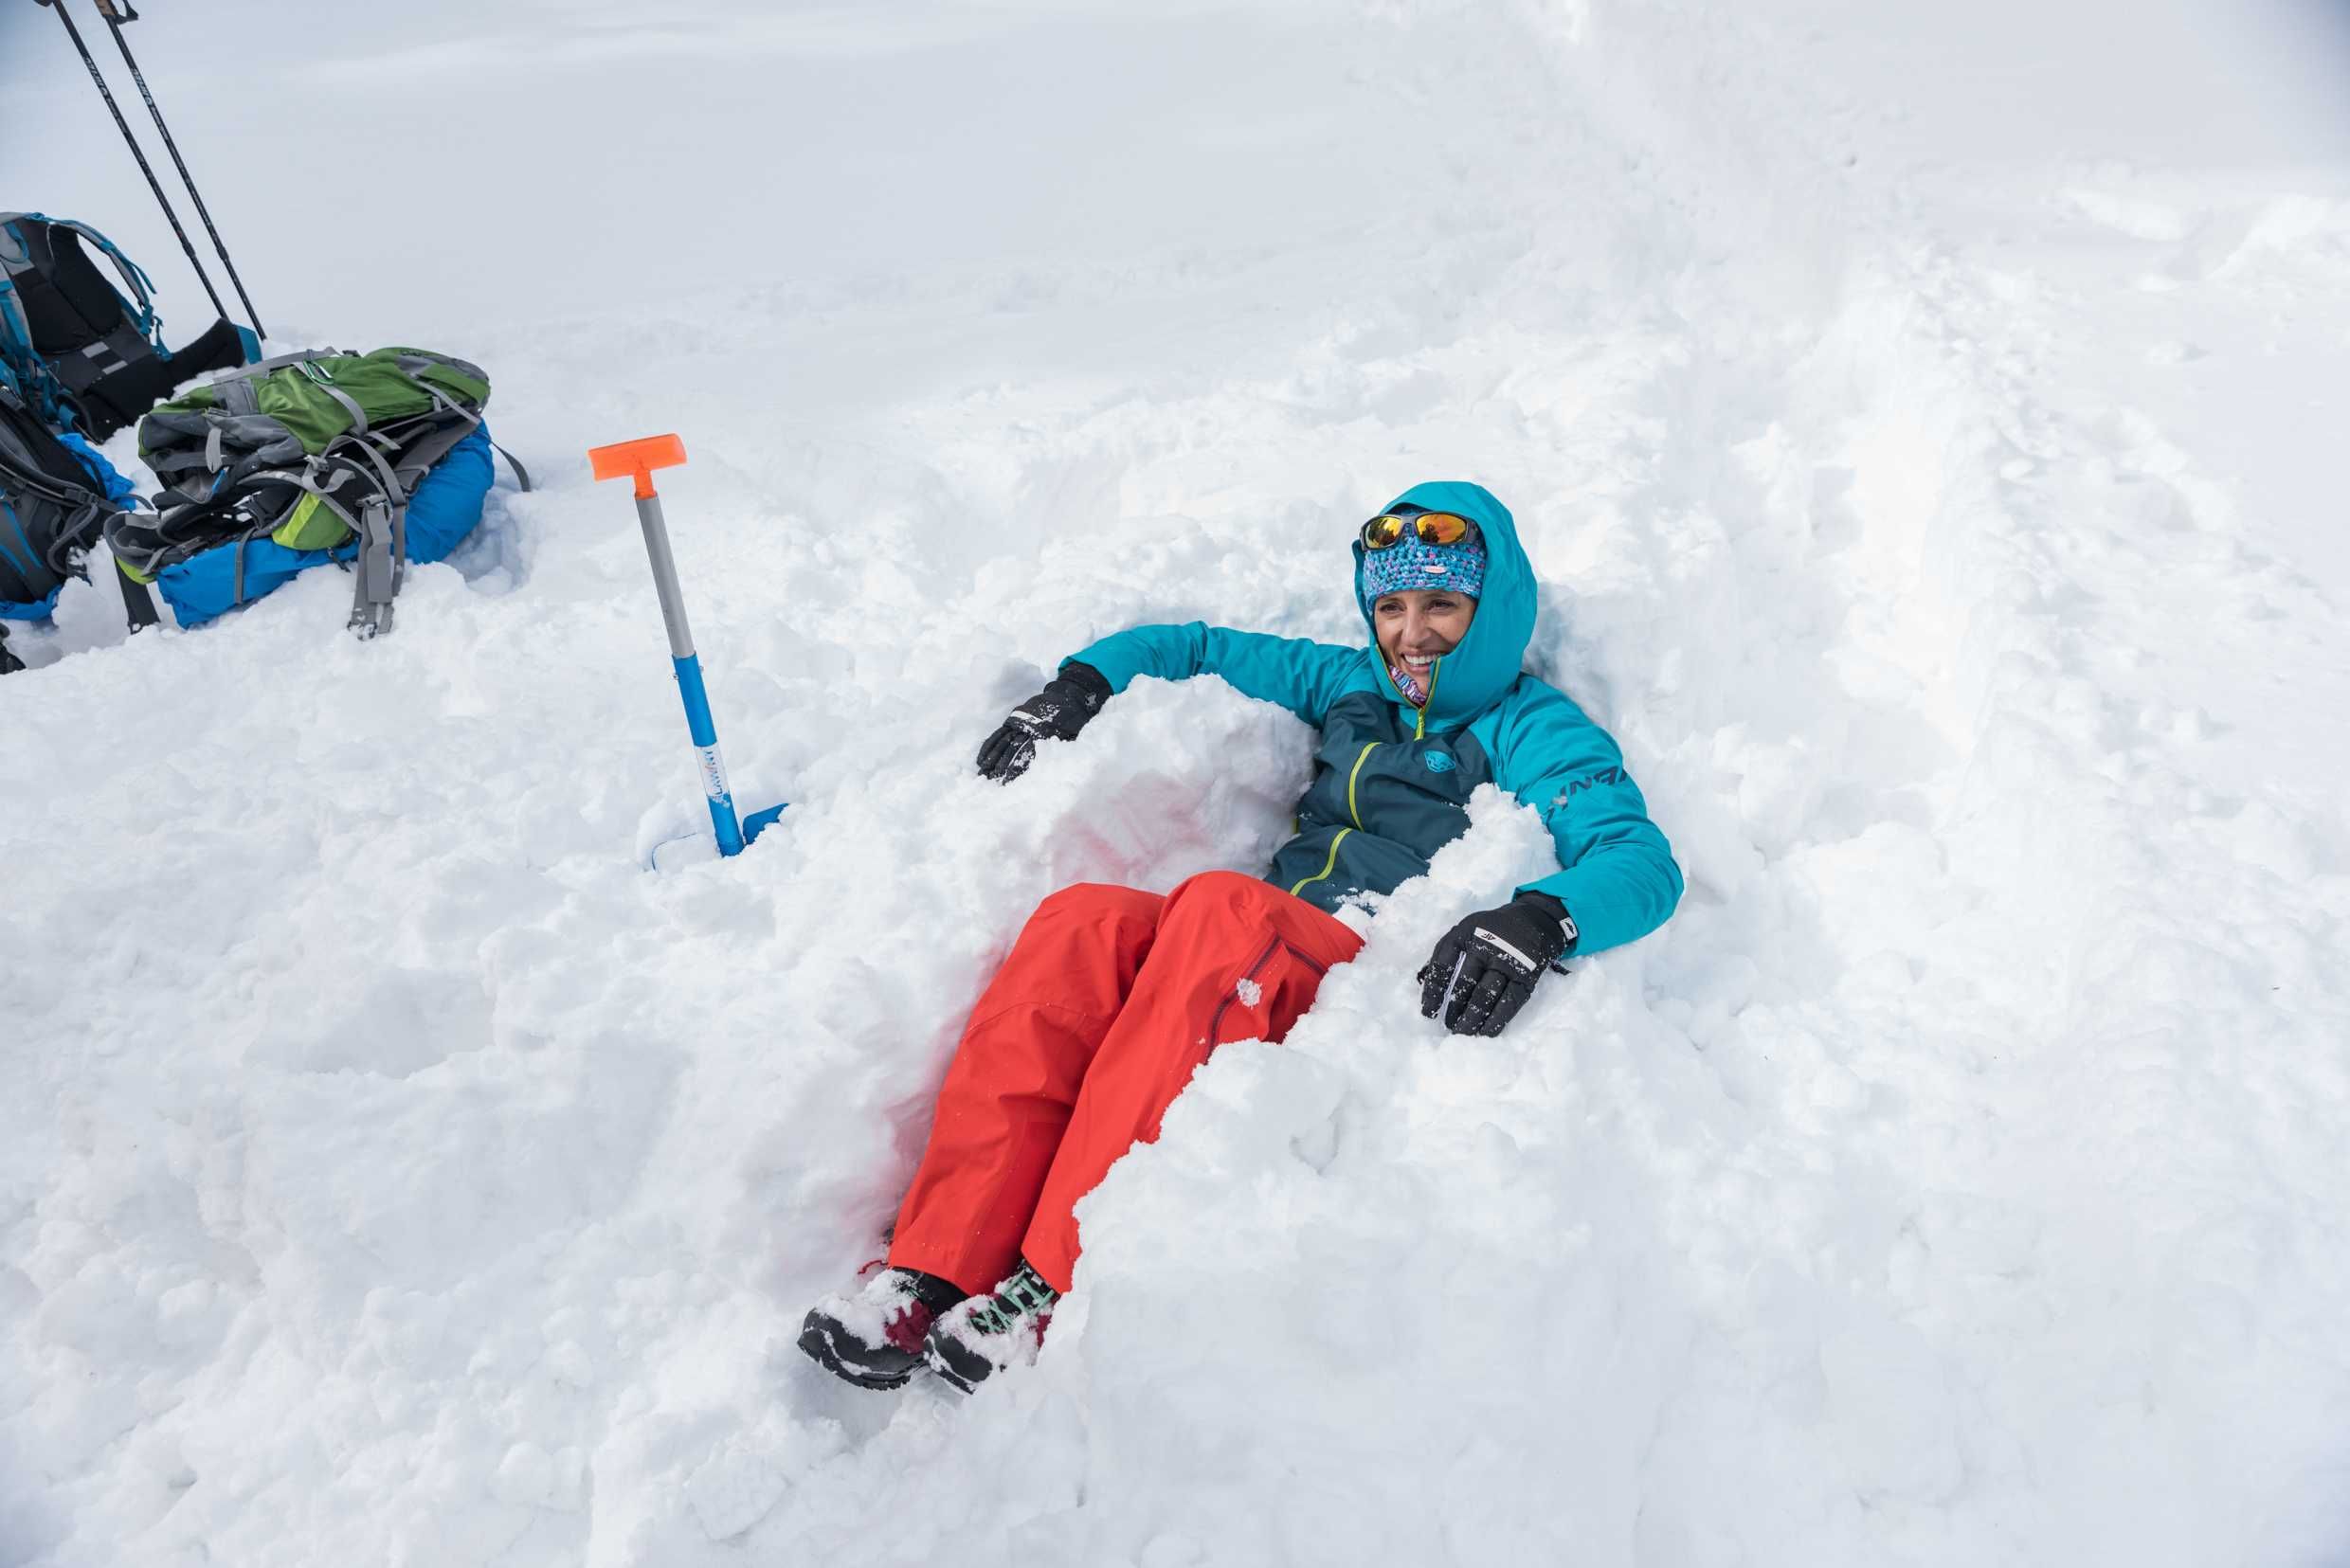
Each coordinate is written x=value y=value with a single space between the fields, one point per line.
x=1110 y=998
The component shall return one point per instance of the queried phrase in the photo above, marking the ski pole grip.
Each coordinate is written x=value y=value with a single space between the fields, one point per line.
x=637 y=459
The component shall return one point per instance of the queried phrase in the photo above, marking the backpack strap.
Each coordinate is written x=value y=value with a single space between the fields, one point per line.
x=391 y=477
x=379 y=568
x=522 y=474
x=138 y=602
x=417 y=459
x=22 y=367
x=142 y=296
x=275 y=362
x=420 y=452
x=461 y=423
x=308 y=366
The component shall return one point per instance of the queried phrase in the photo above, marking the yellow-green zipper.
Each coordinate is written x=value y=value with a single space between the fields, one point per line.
x=1327 y=864
x=1363 y=756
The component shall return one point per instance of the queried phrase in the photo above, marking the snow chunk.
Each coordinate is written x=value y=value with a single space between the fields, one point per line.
x=531 y=1476
x=734 y=1490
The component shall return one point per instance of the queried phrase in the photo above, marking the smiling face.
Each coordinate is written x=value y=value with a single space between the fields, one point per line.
x=1418 y=626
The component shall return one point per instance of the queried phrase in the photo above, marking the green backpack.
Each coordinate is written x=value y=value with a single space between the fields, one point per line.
x=313 y=450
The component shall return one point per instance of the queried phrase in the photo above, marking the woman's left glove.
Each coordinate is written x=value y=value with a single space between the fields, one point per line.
x=1484 y=969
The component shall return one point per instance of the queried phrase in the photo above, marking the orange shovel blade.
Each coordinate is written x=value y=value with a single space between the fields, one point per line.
x=622 y=459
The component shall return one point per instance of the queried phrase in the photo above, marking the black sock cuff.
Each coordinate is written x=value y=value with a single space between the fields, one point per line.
x=934 y=1293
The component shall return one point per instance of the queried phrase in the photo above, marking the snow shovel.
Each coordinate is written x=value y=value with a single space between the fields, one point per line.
x=637 y=459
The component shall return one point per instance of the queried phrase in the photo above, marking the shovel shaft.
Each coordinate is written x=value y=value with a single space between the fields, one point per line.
x=720 y=798
x=688 y=668
x=665 y=581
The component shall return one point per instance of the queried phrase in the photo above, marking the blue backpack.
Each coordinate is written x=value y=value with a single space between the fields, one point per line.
x=84 y=353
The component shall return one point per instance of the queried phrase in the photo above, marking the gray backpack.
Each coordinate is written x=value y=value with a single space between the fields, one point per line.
x=317 y=451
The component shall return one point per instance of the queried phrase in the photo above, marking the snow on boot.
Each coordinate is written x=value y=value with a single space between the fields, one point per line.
x=874 y=1338
x=981 y=1335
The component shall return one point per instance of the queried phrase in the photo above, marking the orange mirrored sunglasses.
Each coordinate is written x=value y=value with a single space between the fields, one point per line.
x=1387 y=530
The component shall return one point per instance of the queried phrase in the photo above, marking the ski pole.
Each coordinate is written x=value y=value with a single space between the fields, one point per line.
x=637 y=459
x=114 y=19
x=124 y=126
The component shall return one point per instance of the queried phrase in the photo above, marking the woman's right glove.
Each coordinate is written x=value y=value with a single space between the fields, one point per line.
x=1064 y=707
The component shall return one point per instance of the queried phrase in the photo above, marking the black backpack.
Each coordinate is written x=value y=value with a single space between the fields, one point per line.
x=87 y=354
x=51 y=507
x=51 y=510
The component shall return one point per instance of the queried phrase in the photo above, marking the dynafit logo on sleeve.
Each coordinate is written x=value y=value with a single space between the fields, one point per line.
x=1590 y=780
x=1438 y=762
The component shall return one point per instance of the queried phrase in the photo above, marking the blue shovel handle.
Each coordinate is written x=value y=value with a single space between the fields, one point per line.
x=706 y=752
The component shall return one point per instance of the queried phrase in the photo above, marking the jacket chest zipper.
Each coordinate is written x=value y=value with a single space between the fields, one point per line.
x=1364 y=755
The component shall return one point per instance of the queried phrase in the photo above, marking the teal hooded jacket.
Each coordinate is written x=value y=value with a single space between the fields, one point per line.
x=1392 y=781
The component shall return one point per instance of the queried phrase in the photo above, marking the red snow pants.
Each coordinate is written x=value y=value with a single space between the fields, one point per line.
x=1109 y=1002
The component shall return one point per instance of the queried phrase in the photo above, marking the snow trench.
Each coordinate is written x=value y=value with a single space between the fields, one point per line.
x=392 y=1169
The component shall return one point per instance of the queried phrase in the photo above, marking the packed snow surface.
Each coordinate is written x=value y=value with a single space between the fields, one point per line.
x=1927 y=423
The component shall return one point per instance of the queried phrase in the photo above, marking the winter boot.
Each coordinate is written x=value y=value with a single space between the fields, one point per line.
x=874 y=1338
x=985 y=1334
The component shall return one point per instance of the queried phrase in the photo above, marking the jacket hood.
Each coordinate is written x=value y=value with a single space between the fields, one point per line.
x=1474 y=675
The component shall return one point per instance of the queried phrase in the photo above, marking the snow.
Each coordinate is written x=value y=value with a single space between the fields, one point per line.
x=1919 y=419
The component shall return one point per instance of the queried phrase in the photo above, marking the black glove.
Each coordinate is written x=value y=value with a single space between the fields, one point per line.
x=1484 y=969
x=1062 y=709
